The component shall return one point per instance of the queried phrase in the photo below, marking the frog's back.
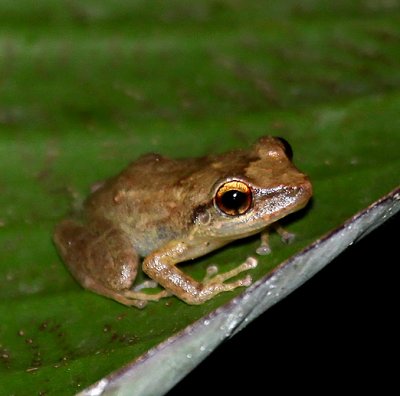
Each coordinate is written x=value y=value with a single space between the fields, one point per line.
x=147 y=200
x=153 y=199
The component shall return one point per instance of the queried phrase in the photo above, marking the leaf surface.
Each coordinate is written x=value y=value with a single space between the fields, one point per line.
x=86 y=88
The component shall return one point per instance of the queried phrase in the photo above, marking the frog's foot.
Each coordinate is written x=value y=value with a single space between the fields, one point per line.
x=161 y=266
x=286 y=237
x=148 y=284
x=212 y=270
x=121 y=296
x=214 y=283
x=143 y=297
x=129 y=302
x=133 y=298
x=212 y=276
x=137 y=295
x=264 y=247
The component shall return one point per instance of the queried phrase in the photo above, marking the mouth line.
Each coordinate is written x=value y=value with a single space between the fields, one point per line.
x=283 y=201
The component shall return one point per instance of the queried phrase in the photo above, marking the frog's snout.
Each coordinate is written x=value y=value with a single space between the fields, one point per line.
x=301 y=192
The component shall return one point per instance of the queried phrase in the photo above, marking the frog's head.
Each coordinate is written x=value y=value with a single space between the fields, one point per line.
x=264 y=189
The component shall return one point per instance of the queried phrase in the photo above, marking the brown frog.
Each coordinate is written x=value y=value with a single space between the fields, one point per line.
x=169 y=211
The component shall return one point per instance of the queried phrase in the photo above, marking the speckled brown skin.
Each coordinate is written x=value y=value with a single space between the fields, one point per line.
x=165 y=210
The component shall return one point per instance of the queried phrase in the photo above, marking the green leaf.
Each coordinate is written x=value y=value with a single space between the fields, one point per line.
x=173 y=359
x=86 y=88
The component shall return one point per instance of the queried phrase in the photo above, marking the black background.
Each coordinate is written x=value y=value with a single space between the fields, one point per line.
x=336 y=332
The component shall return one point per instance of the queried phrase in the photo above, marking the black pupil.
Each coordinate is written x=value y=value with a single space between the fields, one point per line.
x=234 y=199
x=287 y=146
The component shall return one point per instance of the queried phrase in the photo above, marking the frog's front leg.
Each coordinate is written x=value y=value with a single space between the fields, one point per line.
x=161 y=266
x=286 y=237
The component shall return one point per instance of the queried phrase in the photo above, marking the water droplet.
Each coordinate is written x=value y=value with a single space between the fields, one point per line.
x=189 y=355
x=354 y=161
x=202 y=348
x=206 y=322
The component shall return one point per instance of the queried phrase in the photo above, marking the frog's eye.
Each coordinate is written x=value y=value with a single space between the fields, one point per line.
x=234 y=198
x=286 y=146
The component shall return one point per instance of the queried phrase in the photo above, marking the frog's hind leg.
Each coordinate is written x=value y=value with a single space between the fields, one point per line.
x=101 y=259
x=144 y=297
x=138 y=295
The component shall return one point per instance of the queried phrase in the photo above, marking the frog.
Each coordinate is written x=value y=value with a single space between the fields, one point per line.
x=160 y=212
